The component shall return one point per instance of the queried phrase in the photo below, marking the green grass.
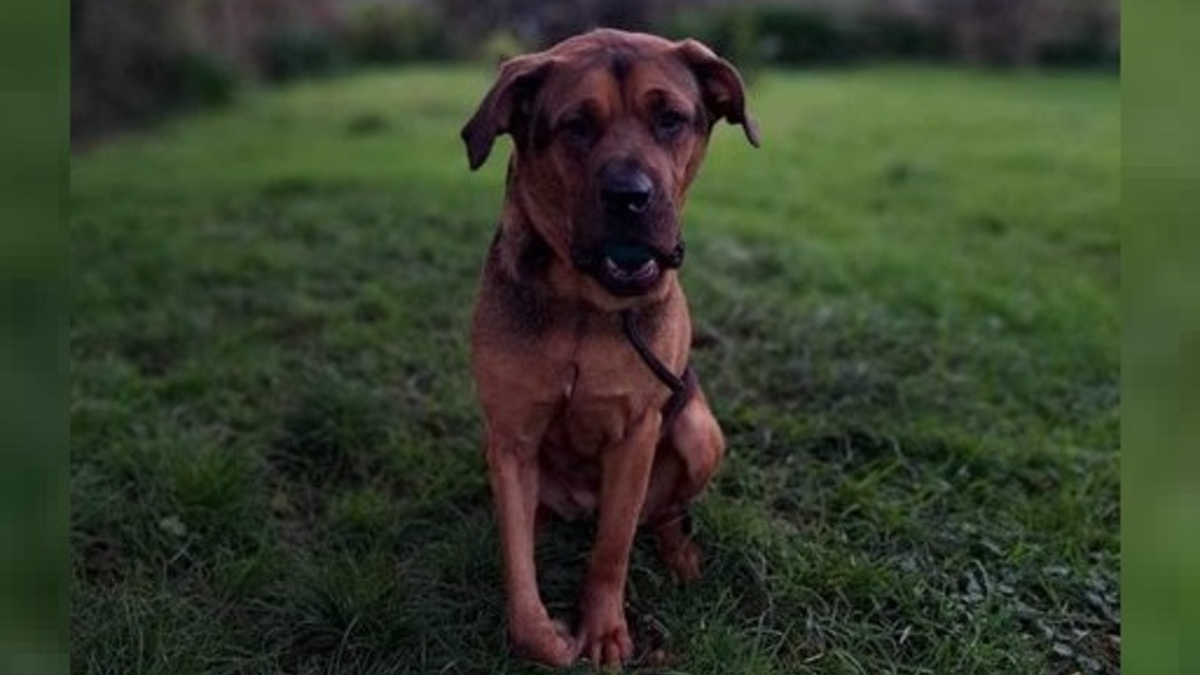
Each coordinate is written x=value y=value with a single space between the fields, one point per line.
x=906 y=306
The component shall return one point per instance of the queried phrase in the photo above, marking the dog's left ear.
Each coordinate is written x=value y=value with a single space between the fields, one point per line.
x=507 y=100
x=721 y=86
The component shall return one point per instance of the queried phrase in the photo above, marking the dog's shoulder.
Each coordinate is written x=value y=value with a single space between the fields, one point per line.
x=514 y=296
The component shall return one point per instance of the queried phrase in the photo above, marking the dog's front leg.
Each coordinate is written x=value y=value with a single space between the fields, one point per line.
x=513 y=469
x=604 y=635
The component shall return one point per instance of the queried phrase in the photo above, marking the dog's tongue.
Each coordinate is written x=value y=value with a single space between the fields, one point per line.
x=629 y=263
x=628 y=256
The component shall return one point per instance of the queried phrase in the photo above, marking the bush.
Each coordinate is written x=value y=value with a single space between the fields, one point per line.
x=751 y=35
x=501 y=46
x=301 y=52
x=881 y=34
x=731 y=33
x=1080 y=51
x=1012 y=32
x=380 y=34
x=800 y=35
x=203 y=80
x=131 y=63
x=1091 y=42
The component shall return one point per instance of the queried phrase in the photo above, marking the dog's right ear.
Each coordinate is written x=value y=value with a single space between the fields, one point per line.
x=506 y=102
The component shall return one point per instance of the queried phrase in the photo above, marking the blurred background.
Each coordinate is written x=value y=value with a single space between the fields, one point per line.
x=132 y=61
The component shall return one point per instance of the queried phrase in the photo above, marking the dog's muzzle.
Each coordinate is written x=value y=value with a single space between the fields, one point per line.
x=627 y=268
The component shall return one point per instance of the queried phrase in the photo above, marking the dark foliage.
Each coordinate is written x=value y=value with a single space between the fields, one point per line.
x=135 y=60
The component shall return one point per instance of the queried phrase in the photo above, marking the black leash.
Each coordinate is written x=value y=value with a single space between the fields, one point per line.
x=681 y=386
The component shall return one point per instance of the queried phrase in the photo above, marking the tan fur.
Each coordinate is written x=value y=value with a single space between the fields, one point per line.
x=573 y=415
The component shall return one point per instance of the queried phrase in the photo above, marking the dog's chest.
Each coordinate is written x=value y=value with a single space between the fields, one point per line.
x=593 y=419
x=604 y=384
x=600 y=406
x=594 y=411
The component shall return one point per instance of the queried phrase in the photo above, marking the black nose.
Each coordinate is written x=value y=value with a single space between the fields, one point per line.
x=625 y=188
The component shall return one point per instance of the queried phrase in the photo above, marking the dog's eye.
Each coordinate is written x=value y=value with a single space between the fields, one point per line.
x=669 y=123
x=577 y=128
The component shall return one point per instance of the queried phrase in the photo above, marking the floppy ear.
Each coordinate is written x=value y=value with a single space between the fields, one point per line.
x=505 y=102
x=721 y=85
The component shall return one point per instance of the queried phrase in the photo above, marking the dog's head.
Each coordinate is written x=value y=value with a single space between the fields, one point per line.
x=609 y=129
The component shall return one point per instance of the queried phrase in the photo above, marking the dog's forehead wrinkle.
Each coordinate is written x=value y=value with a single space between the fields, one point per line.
x=619 y=82
x=590 y=107
x=566 y=96
x=659 y=98
x=620 y=62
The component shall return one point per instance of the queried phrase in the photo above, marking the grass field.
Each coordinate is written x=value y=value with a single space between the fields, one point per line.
x=907 y=321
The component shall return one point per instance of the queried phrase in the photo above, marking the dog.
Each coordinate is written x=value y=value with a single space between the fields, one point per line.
x=581 y=333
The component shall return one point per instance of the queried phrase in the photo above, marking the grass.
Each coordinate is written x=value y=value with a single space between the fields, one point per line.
x=907 y=320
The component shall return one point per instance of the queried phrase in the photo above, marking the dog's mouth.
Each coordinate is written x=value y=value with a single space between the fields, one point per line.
x=627 y=268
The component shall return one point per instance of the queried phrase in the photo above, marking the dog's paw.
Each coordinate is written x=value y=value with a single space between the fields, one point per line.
x=605 y=640
x=546 y=641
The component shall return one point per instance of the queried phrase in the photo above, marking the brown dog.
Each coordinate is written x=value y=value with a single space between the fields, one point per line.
x=581 y=331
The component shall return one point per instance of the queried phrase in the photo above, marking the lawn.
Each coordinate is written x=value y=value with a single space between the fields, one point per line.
x=907 y=321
